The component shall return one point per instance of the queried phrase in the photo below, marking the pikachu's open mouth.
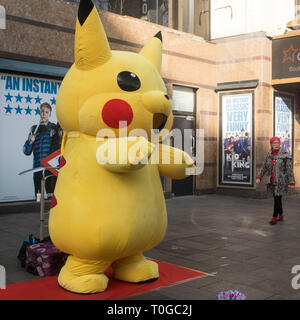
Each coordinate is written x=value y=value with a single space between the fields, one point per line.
x=159 y=121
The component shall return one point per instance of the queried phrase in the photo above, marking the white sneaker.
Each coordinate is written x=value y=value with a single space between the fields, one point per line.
x=38 y=197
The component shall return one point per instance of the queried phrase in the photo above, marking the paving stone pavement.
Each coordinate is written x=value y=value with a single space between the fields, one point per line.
x=227 y=237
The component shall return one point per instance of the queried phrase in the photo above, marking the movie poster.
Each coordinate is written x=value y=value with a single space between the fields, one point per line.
x=236 y=139
x=283 y=126
x=20 y=100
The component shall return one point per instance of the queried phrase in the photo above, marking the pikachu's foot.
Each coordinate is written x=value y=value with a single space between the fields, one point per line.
x=83 y=277
x=90 y=283
x=135 y=269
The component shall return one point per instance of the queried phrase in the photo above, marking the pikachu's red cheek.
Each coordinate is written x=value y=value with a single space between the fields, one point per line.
x=116 y=111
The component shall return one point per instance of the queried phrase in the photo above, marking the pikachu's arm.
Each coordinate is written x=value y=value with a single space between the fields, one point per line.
x=124 y=154
x=173 y=162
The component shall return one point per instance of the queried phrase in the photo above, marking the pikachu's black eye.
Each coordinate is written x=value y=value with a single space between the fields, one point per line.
x=128 y=81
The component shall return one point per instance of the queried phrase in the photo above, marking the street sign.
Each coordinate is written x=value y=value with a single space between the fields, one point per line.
x=52 y=161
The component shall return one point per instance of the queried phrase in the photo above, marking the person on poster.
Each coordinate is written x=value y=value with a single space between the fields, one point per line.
x=237 y=145
x=248 y=144
x=59 y=137
x=243 y=143
x=279 y=165
x=228 y=149
x=43 y=139
x=282 y=139
x=226 y=140
x=286 y=144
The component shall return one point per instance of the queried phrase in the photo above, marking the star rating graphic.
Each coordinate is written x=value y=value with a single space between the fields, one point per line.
x=289 y=54
x=38 y=100
x=53 y=101
x=18 y=110
x=15 y=103
x=8 y=109
x=8 y=97
x=28 y=110
x=28 y=99
x=18 y=98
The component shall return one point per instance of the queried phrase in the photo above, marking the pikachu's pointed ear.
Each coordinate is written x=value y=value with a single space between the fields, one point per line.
x=153 y=50
x=91 y=44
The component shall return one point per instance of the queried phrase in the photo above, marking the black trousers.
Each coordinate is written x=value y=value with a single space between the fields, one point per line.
x=50 y=182
x=277 y=206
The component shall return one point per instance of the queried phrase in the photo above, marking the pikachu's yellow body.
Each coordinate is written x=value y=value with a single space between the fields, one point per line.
x=108 y=212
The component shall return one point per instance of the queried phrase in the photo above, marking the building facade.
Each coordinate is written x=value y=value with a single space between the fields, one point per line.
x=223 y=87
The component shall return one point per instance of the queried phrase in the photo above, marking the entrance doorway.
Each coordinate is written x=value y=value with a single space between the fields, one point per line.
x=184 y=111
x=185 y=186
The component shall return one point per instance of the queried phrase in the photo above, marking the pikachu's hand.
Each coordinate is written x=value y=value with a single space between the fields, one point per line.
x=124 y=154
x=188 y=161
x=173 y=162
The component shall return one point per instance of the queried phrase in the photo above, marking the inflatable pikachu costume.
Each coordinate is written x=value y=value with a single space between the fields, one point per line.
x=106 y=213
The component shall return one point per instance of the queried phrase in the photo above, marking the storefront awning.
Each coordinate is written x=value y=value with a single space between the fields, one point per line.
x=236 y=85
x=32 y=68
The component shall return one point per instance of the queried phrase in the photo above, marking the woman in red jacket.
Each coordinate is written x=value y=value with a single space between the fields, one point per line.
x=279 y=165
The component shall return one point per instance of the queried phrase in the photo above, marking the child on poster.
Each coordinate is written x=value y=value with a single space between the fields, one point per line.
x=43 y=140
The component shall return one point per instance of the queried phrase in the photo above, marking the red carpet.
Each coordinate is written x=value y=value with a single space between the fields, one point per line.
x=48 y=289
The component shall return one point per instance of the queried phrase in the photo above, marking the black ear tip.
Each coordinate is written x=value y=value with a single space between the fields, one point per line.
x=85 y=8
x=158 y=35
